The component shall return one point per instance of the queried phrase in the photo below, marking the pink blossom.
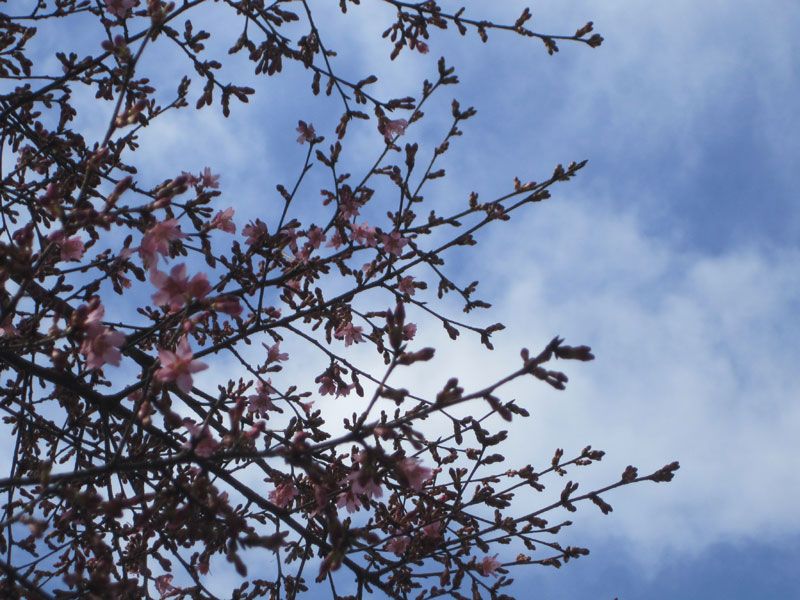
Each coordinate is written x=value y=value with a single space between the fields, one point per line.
x=398 y=545
x=120 y=8
x=156 y=240
x=306 y=131
x=255 y=232
x=176 y=288
x=283 y=494
x=71 y=248
x=315 y=236
x=433 y=530
x=414 y=473
x=208 y=180
x=260 y=402
x=178 y=366
x=363 y=234
x=409 y=331
x=406 y=285
x=349 y=333
x=274 y=353
x=348 y=500
x=223 y=221
x=344 y=390
x=393 y=243
x=204 y=443
x=164 y=586
x=328 y=386
x=489 y=565
x=391 y=128
x=348 y=204
x=362 y=483
x=101 y=346
x=335 y=241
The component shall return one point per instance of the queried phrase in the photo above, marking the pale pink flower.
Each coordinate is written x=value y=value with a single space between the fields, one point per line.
x=156 y=240
x=409 y=331
x=362 y=483
x=335 y=241
x=208 y=180
x=120 y=8
x=283 y=494
x=398 y=545
x=223 y=221
x=489 y=565
x=164 y=586
x=255 y=232
x=433 y=530
x=348 y=204
x=176 y=288
x=306 y=131
x=349 y=333
x=204 y=443
x=260 y=402
x=406 y=285
x=274 y=353
x=71 y=248
x=328 y=386
x=348 y=500
x=414 y=472
x=363 y=234
x=392 y=127
x=101 y=345
x=178 y=366
x=393 y=243
x=315 y=236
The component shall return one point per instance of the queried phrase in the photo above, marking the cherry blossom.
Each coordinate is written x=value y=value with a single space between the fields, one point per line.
x=283 y=494
x=201 y=439
x=156 y=241
x=255 y=232
x=260 y=402
x=71 y=248
x=176 y=288
x=229 y=305
x=223 y=221
x=315 y=236
x=392 y=127
x=364 y=234
x=398 y=545
x=393 y=243
x=102 y=347
x=350 y=334
x=414 y=473
x=208 y=180
x=120 y=8
x=306 y=131
x=406 y=285
x=274 y=353
x=409 y=331
x=178 y=366
x=489 y=565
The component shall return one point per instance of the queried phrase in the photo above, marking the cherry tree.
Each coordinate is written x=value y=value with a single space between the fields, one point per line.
x=150 y=449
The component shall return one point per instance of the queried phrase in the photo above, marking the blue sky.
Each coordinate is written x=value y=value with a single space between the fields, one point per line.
x=674 y=255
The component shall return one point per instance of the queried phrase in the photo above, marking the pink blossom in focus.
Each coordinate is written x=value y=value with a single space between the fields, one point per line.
x=223 y=221
x=283 y=494
x=406 y=285
x=176 y=288
x=489 y=565
x=315 y=236
x=349 y=333
x=120 y=8
x=392 y=127
x=255 y=232
x=414 y=472
x=398 y=545
x=156 y=241
x=393 y=243
x=409 y=331
x=274 y=353
x=364 y=234
x=328 y=386
x=306 y=131
x=260 y=402
x=178 y=366
x=208 y=180
x=335 y=241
